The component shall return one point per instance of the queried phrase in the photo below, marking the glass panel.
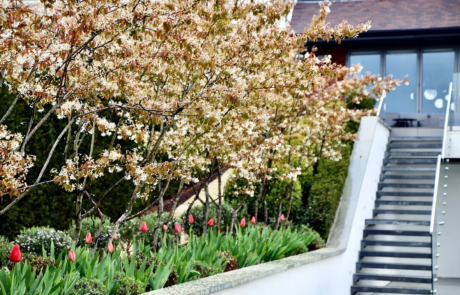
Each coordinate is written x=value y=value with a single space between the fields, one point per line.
x=404 y=98
x=437 y=73
x=369 y=62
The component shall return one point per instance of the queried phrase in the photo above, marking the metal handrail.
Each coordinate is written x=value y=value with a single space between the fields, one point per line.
x=380 y=105
x=435 y=194
x=446 y=122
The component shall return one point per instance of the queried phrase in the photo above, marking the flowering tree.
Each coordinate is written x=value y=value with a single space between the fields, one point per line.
x=181 y=88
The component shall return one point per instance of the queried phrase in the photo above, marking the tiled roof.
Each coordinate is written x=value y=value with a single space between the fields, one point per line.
x=384 y=14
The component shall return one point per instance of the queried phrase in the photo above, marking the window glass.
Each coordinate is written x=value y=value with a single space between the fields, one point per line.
x=369 y=62
x=437 y=73
x=404 y=98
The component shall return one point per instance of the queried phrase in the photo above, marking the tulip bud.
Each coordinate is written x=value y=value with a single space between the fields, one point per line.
x=115 y=236
x=72 y=256
x=144 y=227
x=282 y=217
x=177 y=228
x=190 y=218
x=89 y=238
x=243 y=222
x=110 y=247
x=15 y=255
x=165 y=227
x=211 y=222
x=253 y=220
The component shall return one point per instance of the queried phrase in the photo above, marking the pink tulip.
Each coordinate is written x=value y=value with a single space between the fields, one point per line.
x=190 y=219
x=115 y=236
x=165 y=227
x=144 y=227
x=282 y=217
x=177 y=228
x=110 y=246
x=89 y=238
x=72 y=256
x=211 y=222
x=243 y=222
x=253 y=220
x=15 y=255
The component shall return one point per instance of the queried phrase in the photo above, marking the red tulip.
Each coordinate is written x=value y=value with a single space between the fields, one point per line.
x=116 y=236
x=89 y=238
x=253 y=220
x=144 y=227
x=177 y=228
x=72 y=256
x=211 y=222
x=110 y=247
x=243 y=222
x=190 y=218
x=15 y=255
x=282 y=217
x=165 y=227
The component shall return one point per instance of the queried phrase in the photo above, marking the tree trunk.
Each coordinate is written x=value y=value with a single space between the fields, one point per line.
x=206 y=207
x=232 y=221
x=219 y=210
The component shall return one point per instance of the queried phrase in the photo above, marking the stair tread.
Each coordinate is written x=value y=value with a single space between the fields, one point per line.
x=396 y=290
x=409 y=168
x=408 y=176
x=415 y=138
x=384 y=265
x=396 y=232
x=412 y=154
x=397 y=222
x=410 y=161
x=395 y=278
x=402 y=212
x=395 y=243
x=414 y=145
x=374 y=253
x=403 y=203
x=404 y=194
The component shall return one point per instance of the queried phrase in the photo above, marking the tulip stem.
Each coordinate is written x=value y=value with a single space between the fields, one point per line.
x=12 y=280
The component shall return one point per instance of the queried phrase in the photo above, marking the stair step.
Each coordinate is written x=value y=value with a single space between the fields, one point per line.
x=389 y=232
x=364 y=264
x=403 y=203
x=411 y=154
x=369 y=222
x=366 y=253
x=406 y=185
x=406 y=176
x=408 y=168
x=392 y=278
x=414 y=146
x=401 y=212
x=389 y=290
x=409 y=161
x=365 y=243
x=404 y=194
x=414 y=138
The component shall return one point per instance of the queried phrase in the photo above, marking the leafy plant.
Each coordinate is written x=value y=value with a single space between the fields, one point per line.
x=33 y=240
x=5 y=250
x=90 y=225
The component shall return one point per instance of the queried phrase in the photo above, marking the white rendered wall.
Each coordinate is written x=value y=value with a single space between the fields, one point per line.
x=333 y=276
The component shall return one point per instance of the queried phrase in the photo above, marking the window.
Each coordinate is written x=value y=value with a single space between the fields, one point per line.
x=370 y=62
x=404 y=98
x=430 y=74
x=437 y=74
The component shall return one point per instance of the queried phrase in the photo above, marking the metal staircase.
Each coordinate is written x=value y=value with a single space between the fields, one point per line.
x=395 y=255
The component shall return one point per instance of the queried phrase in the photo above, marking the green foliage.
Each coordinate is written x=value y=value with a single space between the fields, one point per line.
x=198 y=216
x=85 y=286
x=128 y=285
x=90 y=225
x=33 y=240
x=322 y=192
x=277 y=189
x=206 y=270
x=5 y=251
x=132 y=229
